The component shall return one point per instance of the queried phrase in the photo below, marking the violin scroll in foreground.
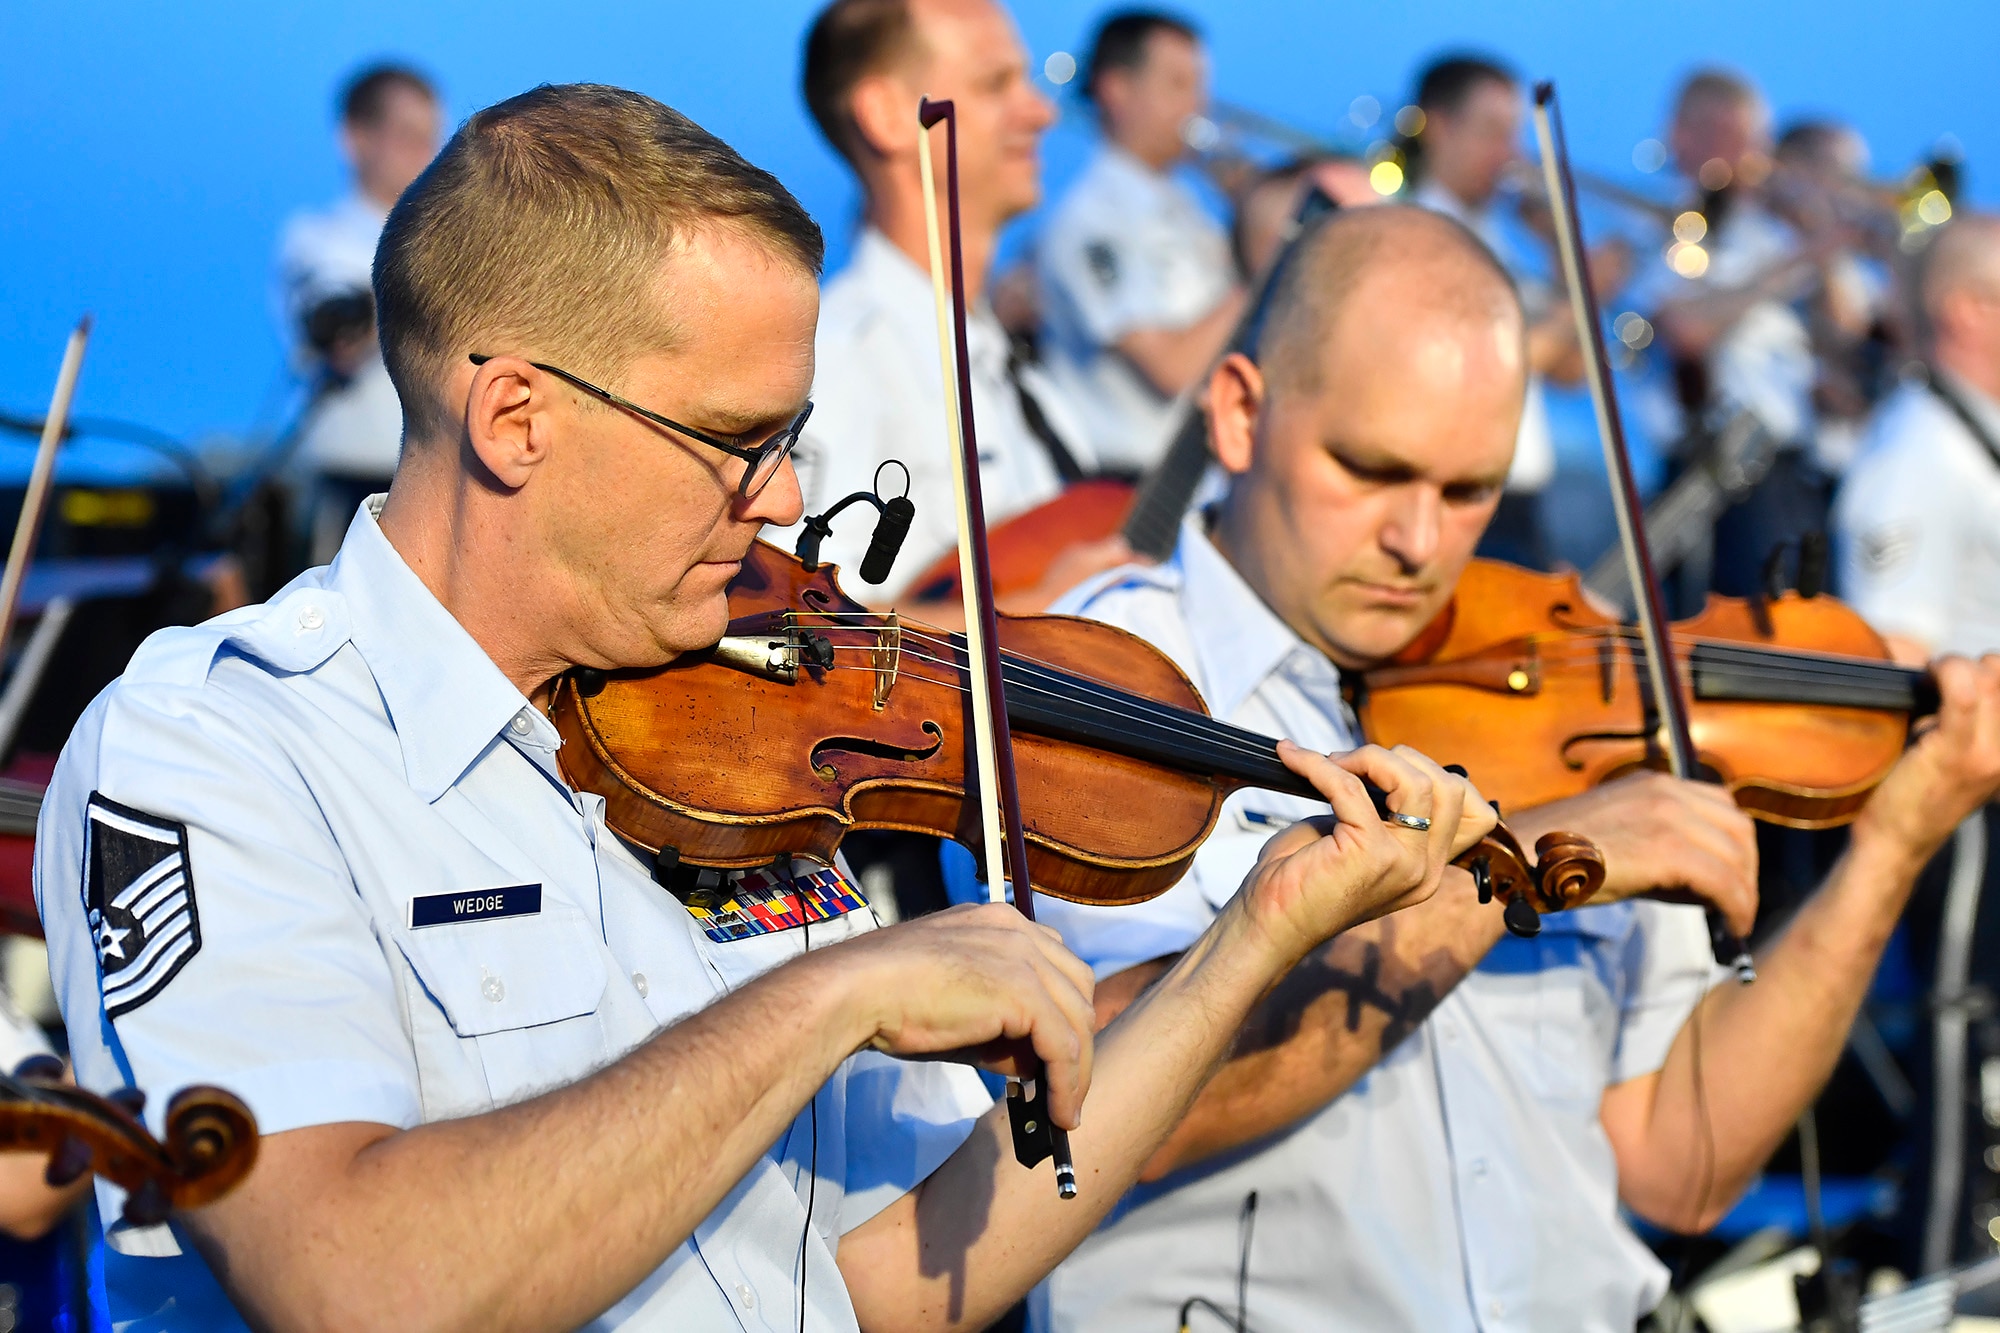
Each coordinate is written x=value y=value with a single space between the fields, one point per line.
x=210 y=1147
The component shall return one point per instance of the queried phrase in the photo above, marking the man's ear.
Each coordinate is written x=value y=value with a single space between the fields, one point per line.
x=1235 y=401
x=885 y=114
x=509 y=419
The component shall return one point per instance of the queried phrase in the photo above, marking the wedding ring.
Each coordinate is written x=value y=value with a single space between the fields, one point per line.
x=1417 y=822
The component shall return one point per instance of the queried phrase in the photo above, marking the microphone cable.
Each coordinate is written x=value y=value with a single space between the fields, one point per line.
x=1245 y=1227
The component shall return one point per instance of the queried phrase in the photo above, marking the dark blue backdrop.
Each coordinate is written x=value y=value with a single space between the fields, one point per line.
x=151 y=151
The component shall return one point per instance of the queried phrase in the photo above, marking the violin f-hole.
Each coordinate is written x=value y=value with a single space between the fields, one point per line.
x=874 y=749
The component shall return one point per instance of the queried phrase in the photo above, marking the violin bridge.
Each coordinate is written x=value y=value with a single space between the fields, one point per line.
x=888 y=654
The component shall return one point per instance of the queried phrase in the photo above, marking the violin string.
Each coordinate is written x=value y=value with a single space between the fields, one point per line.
x=1893 y=682
x=1716 y=649
x=1706 y=653
x=1236 y=747
x=1179 y=725
x=1230 y=742
x=1059 y=683
x=1125 y=706
x=1166 y=723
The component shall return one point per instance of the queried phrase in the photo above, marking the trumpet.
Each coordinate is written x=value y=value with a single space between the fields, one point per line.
x=1229 y=139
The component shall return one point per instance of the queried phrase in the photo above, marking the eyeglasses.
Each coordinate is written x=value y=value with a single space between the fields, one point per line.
x=761 y=461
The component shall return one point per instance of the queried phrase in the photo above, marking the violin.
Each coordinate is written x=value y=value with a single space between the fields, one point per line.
x=1794 y=705
x=211 y=1141
x=815 y=716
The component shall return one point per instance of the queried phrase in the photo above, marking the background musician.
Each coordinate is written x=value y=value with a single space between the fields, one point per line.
x=878 y=395
x=1819 y=186
x=1431 y=1125
x=1470 y=136
x=1917 y=535
x=390 y=123
x=1135 y=273
x=1723 y=298
x=1918 y=520
x=320 y=851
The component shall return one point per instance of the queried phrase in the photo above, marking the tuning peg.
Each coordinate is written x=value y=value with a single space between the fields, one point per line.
x=1521 y=918
x=39 y=1066
x=1482 y=878
x=132 y=1101
x=70 y=1160
x=147 y=1206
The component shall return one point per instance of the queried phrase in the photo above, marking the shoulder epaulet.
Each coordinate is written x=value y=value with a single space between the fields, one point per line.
x=297 y=631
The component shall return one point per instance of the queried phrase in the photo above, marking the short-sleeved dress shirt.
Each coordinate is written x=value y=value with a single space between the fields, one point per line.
x=1465 y=1182
x=356 y=430
x=1917 y=524
x=878 y=394
x=1127 y=248
x=316 y=789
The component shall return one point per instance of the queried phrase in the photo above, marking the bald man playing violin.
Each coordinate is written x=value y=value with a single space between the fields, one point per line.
x=1430 y=1125
x=320 y=852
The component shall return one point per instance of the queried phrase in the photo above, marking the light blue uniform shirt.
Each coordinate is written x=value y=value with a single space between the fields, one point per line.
x=299 y=775
x=1466 y=1181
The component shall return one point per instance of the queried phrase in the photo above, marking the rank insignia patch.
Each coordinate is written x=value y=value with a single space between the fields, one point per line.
x=763 y=903
x=138 y=891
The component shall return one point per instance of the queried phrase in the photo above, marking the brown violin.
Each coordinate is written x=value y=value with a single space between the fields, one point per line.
x=815 y=716
x=211 y=1141
x=1793 y=703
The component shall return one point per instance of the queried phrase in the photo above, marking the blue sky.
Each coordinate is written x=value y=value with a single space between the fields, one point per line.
x=152 y=151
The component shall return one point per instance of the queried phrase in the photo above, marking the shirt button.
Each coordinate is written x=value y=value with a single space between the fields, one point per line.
x=746 y=1297
x=1496 y=1309
x=493 y=988
x=521 y=724
x=1479 y=1168
x=639 y=981
x=311 y=618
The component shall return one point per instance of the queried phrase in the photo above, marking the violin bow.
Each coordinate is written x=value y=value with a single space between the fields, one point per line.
x=1676 y=734
x=35 y=503
x=1035 y=1135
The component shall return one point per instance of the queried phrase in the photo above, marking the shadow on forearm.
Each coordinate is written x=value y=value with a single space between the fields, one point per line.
x=947 y=1229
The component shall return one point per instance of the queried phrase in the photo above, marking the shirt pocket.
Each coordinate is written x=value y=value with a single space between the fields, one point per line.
x=520 y=994
x=1551 y=1001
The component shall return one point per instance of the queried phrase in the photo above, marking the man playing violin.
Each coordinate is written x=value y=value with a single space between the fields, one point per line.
x=1430 y=1125
x=320 y=852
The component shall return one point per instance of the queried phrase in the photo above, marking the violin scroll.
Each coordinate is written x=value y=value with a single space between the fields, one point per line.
x=1566 y=871
x=210 y=1146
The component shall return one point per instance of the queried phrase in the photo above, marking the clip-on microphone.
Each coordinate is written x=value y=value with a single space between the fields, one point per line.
x=890 y=529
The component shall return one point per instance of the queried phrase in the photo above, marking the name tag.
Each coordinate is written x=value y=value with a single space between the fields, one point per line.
x=762 y=903
x=442 y=909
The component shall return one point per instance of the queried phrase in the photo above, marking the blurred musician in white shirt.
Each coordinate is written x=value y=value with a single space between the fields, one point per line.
x=1137 y=277
x=390 y=124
